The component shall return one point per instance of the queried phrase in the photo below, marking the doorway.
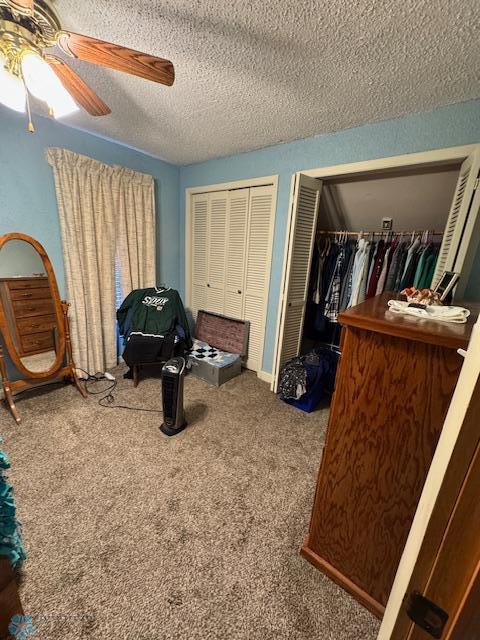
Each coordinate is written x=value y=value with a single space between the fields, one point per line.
x=339 y=187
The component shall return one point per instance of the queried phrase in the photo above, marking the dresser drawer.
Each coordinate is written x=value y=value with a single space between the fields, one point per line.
x=38 y=342
x=27 y=308
x=36 y=324
x=31 y=283
x=31 y=294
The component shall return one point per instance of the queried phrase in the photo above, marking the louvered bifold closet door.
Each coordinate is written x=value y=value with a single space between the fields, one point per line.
x=257 y=269
x=460 y=223
x=216 y=231
x=302 y=230
x=237 y=221
x=199 y=251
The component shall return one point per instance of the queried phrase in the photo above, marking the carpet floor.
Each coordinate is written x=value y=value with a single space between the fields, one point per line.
x=133 y=535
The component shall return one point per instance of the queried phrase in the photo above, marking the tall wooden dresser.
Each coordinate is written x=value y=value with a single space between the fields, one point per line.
x=30 y=313
x=394 y=383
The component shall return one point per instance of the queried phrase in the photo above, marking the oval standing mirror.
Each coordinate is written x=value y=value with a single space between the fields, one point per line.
x=28 y=305
x=35 y=343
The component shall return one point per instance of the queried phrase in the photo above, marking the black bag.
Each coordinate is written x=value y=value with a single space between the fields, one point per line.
x=149 y=349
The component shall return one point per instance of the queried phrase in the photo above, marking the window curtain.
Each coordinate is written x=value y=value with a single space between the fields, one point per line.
x=104 y=211
x=135 y=215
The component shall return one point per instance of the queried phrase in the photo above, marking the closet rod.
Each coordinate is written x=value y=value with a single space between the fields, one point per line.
x=380 y=233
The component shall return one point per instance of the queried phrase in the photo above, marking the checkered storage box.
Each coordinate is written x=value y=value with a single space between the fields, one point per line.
x=219 y=346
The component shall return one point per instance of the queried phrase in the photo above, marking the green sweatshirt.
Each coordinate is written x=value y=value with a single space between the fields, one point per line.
x=153 y=312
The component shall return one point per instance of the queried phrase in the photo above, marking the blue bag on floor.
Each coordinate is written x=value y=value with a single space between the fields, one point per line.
x=321 y=367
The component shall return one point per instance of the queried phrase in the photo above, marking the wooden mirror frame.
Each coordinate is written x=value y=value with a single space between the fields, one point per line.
x=63 y=366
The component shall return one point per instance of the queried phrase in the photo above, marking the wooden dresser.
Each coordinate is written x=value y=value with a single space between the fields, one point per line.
x=394 y=383
x=30 y=313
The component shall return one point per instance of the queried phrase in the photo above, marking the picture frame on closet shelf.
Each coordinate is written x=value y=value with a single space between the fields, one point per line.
x=446 y=283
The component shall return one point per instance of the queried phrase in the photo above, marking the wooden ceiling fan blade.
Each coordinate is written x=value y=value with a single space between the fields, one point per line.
x=78 y=88
x=114 y=56
x=22 y=5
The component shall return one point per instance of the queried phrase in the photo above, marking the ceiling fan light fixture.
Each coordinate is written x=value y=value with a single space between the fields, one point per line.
x=12 y=89
x=63 y=105
x=28 y=29
x=43 y=83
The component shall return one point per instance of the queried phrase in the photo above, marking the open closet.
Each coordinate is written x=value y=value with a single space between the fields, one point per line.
x=354 y=258
x=429 y=208
x=396 y=375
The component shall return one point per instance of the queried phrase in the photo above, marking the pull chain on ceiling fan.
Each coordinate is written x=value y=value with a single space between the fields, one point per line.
x=27 y=28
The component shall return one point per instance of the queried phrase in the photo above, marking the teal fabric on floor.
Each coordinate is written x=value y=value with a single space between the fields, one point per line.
x=10 y=536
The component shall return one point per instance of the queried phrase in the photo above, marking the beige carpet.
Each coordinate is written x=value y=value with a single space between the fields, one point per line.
x=132 y=535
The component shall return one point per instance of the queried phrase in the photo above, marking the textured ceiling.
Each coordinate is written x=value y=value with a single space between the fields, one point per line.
x=252 y=74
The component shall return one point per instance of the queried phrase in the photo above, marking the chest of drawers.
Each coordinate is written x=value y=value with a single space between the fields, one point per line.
x=394 y=384
x=30 y=313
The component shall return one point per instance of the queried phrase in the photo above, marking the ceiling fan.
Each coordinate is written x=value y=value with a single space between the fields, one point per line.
x=27 y=28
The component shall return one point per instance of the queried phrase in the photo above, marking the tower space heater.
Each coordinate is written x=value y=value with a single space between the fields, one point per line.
x=173 y=373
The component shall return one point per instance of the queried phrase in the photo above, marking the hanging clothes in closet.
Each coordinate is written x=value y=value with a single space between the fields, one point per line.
x=348 y=268
x=329 y=288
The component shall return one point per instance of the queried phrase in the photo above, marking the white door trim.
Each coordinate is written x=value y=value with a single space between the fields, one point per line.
x=426 y=158
x=452 y=426
x=263 y=181
x=423 y=158
x=264 y=375
x=228 y=186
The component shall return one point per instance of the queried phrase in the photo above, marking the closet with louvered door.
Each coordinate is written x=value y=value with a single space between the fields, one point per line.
x=238 y=204
x=432 y=209
x=257 y=271
x=216 y=232
x=232 y=235
x=199 y=249
x=390 y=367
x=307 y=200
x=461 y=223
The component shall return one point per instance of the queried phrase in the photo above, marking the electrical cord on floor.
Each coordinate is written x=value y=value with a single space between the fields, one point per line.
x=108 y=399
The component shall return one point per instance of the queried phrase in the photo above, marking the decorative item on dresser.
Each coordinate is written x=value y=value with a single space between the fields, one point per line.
x=35 y=343
x=394 y=384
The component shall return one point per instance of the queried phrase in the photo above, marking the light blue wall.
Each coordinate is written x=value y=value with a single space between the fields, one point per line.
x=446 y=127
x=27 y=194
x=28 y=204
